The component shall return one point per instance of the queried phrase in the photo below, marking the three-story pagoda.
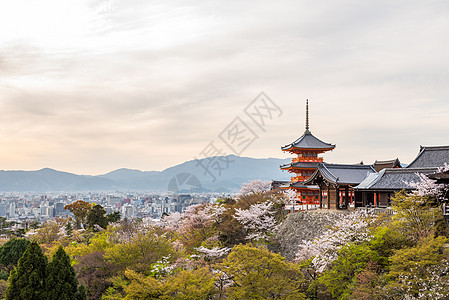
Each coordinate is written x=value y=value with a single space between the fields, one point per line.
x=307 y=149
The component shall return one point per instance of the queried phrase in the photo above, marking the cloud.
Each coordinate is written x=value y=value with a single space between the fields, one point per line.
x=151 y=84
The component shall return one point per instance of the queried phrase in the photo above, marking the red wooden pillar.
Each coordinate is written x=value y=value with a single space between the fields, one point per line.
x=321 y=198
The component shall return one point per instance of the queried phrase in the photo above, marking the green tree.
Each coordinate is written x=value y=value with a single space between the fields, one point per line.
x=190 y=285
x=4 y=275
x=5 y=226
x=195 y=284
x=420 y=270
x=27 y=279
x=95 y=273
x=366 y=284
x=80 y=210
x=140 y=253
x=258 y=273
x=61 y=282
x=69 y=228
x=230 y=231
x=142 y=287
x=351 y=260
x=48 y=233
x=97 y=216
x=12 y=251
x=385 y=241
x=114 y=217
x=3 y=287
x=416 y=215
x=357 y=263
x=34 y=224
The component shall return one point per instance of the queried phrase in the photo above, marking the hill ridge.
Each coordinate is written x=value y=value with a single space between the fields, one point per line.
x=228 y=177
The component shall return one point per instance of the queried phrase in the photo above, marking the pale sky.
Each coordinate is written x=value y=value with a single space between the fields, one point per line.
x=92 y=86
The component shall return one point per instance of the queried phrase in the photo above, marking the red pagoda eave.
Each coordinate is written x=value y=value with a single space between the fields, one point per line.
x=295 y=171
x=290 y=169
x=300 y=189
x=300 y=168
x=295 y=188
x=293 y=149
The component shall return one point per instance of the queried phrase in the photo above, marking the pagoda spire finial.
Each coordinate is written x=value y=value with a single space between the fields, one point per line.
x=307 y=116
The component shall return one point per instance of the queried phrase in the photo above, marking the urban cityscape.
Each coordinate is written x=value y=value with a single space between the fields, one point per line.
x=25 y=208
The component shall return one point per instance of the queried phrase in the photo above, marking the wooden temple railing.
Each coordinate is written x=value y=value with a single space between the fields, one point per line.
x=377 y=210
x=307 y=159
x=299 y=178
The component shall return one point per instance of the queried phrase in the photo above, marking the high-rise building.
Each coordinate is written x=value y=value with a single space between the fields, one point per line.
x=12 y=210
x=2 y=209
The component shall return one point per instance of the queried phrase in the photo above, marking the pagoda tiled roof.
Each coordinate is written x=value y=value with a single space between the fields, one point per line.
x=301 y=185
x=394 y=179
x=298 y=185
x=431 y=157
x=300 y=165
x=285 y=186
x=308 y=141
x=341 y=173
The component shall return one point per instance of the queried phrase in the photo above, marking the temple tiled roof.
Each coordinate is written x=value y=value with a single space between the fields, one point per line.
x=341 y=174
x=431 y=157
x=383 y=164
x=285 y=186
x=440 y=177
x=393 y=179
x=301 y=185
x=300 y=165
x=279 y=184
x=308 y=141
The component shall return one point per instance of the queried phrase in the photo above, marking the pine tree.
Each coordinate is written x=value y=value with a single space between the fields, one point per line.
x=12 y=251
x=61 y=282
x=27 y=279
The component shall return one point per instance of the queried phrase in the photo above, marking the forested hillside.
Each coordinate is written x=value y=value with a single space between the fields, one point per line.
x=235 y=249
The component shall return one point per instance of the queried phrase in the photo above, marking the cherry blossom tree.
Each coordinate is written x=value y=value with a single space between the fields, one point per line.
x=214 y=252
x=194 y=214
x=352 y=227
x=290 y=197
x=197 y=224
x=426 y=187
x=258 y=220
x=429 y=187
x=420 y=272
x=172 y=221
x=255 y=187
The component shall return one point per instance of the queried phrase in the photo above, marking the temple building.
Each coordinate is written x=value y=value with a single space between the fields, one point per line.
x=343 y=186
x=306 y=149
x=379 y=165
x=431 y=157
x=336 y=183
x=442 y=177
x=378 y=189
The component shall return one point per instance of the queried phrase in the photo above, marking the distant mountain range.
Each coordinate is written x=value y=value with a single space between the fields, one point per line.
x=215 y=174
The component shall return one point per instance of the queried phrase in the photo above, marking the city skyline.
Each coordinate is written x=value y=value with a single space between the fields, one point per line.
x=93 y=86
